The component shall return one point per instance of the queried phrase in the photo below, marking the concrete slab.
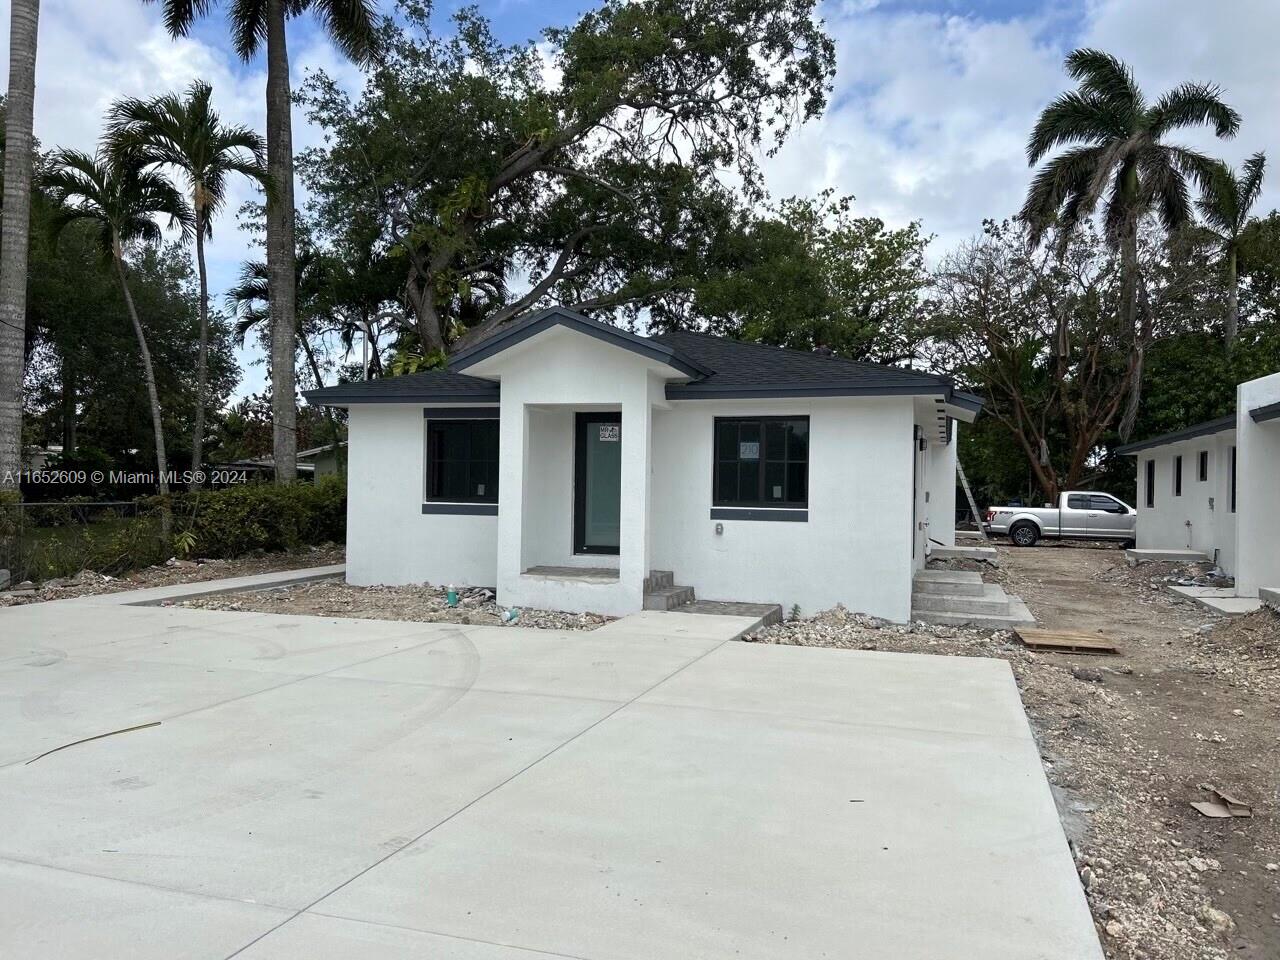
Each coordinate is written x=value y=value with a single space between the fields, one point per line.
x=964 y=552
x=1270 y=596
x=1221 y=600
x=1143 y=554
x=320 y=789
x=922 y=842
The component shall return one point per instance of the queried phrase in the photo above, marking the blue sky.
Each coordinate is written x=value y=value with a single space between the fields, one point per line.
x=932 y=106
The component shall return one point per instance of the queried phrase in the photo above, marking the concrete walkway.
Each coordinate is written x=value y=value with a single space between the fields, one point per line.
x=319 y=789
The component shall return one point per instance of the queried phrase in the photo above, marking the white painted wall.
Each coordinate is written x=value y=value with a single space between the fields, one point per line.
x=389 y=539
x=569 y=371
x=1257 y=488
x=940 y=482
x=1207 y=505
x=855 y=548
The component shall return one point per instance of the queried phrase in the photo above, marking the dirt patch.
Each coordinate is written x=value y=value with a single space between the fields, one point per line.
x=1128 y=742
x=1156 y=574
x=423 y=603
x=175 y=571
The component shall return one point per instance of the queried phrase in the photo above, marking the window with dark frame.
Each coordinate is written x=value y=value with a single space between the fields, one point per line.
x=1233 y=479
x=1202 y=468
x=1151 y=484
x=1177 y=476
x=462 y=461
x=761 y=462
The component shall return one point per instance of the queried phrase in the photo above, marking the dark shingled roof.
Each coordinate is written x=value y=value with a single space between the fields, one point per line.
x=1208 y=428
x=718 y=368
x=410 y=388
x=743 y=369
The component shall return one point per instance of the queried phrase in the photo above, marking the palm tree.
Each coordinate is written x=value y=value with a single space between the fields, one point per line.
x=350 y=24
x=186 y=134
x=1224 y=206
x=122 y=201
x=1122 y=161
x=24 y=17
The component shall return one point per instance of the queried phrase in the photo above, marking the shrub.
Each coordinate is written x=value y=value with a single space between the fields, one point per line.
x=238 y=520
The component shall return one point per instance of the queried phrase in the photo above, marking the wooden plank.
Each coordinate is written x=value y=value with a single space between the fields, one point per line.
x=1065 y=641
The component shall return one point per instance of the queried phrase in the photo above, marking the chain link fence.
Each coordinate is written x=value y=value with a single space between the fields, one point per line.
x=41 y=541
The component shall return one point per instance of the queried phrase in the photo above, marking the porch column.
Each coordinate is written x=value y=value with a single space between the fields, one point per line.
x=513 y=444
x=633 y=533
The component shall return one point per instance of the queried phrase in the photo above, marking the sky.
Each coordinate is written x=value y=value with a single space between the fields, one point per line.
x=928 y=121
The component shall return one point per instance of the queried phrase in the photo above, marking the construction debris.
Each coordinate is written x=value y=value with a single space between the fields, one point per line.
x=1222 y=805
x=1064 y=641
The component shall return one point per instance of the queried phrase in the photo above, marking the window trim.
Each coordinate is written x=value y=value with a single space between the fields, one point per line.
x=1150 y=498
x=752 y=509
x=473 y=506
x=1202 y=466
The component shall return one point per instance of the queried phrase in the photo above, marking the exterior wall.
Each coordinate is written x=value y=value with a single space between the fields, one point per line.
x=1257 y=489
x=855 y=547
x=1206 y=505
x=389 y=539
x=544 y=382
x=940 y=484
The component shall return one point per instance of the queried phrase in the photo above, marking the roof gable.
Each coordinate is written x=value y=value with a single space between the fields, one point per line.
x=516 y=333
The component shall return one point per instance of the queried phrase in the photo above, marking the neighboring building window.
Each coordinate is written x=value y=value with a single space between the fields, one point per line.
x=1177 y=476
x=1151 y=483
x=761 y=462
x=462 y=461
x=1202 y=469
x=1233 y=479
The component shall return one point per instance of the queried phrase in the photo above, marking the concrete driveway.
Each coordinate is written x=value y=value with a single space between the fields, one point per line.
x=320 y=789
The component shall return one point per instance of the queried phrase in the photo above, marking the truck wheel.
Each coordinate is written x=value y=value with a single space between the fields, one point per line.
x=1024 y=535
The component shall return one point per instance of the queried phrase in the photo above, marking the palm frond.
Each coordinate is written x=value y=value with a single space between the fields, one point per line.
x=248 y=26
x=1073 y=118
x=1251 y=182
x=1190 y=105
x=180 y=14
x=350 y=24
x=1107 y=76
x=1064 y=177
x=1164 y=188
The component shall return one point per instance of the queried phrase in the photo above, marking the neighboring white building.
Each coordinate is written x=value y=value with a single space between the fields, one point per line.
x=753 y=473
x=1215 y=488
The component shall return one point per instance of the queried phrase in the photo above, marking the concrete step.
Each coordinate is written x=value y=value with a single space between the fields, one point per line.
x=767 y=614
x=668 y=598
x=659 y=580
x=993 y=601
x=1142 y=555
x=1270 y=596
x=963 y=553
x=1018 y=616
x=954 y=583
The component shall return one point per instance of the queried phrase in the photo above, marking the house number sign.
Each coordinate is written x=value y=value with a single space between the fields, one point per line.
x=610 y=432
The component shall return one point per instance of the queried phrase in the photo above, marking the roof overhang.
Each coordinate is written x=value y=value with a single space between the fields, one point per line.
x=517 y=333
x=1206 y=429
x=1270 y=411
x=960 y=405
x=377 y=391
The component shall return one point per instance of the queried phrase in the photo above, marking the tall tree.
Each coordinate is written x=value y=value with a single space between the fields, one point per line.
x=1224 y=206
x=24 y=17
x=1123 y=157
x=122 y=202
x=350 y=25
x=501 y=191
x=186 y=134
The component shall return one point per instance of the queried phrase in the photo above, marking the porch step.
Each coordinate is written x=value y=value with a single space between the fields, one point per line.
x=1017 y=616
x=767 y=614
x=668 y=598
x=955 y=583
x=659 y=580
x=964 y=553
x=993 y=601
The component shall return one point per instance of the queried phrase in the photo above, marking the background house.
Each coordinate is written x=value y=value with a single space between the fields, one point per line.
x=1215 y=488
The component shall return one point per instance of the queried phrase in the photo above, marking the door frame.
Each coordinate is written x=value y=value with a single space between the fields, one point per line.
x=580 y=424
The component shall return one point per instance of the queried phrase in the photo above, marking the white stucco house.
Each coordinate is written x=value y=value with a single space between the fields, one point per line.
x=564 y=460
x=1215 y=488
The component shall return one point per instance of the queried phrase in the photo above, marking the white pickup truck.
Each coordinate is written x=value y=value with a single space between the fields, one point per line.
x=1079 y=515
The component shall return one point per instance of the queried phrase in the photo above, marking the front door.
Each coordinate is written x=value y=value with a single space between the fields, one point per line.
x=597 y=483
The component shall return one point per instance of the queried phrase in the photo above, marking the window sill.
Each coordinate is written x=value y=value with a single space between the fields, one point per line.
x=792 y=514
x=462 y=509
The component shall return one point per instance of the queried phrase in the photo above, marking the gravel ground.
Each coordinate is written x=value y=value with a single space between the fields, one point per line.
x=87 y=582
x=425 y=603
x=1129 y=741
